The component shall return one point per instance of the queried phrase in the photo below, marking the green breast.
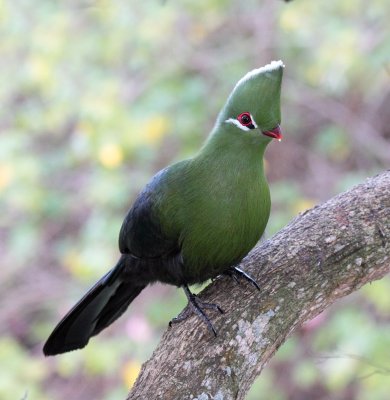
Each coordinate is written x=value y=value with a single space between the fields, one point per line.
x=219 y=210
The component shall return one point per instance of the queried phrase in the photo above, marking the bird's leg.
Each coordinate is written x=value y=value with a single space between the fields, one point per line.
x=236 y=273
x=196 y=306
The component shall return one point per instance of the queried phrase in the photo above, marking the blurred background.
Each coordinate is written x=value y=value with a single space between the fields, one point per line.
x=98 y=95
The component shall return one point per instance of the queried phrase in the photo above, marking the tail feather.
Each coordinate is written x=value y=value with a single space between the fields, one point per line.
x=106 y=301
x=117 y=305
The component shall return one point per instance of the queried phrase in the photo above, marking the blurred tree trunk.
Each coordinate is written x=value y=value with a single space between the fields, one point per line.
x=322 y=255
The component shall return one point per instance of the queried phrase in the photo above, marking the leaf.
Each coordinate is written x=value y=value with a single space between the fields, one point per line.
x=110 y=155
x=130 y=372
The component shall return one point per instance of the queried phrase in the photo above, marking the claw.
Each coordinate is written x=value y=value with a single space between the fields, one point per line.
x=196 y=306
x=237 y=273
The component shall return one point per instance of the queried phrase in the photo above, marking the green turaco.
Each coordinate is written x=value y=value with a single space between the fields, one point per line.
x=195 y=220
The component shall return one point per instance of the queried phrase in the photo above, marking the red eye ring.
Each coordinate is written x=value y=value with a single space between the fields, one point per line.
x=245 y=119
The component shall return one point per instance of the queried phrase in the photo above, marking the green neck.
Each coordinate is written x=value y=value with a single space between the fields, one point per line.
x=229 y=195
x=224 y=145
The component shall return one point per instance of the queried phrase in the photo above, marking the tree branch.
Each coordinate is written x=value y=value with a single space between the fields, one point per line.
x=322 y=255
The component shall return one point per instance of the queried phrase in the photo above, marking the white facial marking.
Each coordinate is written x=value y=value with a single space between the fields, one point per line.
x=236 y=122
x=253 y=121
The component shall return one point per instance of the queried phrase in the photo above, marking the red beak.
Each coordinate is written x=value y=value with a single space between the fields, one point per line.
x=275 y=133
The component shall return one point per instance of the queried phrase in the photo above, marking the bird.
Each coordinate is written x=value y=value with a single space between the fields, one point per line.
x=195 y=220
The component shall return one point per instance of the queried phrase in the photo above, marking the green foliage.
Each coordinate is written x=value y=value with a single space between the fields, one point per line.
x=21 y=374
x=98 y=95
x=333 y=142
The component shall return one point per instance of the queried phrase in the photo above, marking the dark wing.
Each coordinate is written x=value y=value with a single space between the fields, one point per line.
x=141 y=234
x=148 y=255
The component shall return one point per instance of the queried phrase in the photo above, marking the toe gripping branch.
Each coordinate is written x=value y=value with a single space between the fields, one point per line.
x=197 y=306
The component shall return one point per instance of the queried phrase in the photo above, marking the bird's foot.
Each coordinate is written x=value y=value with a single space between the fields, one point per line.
x=196 y=306
x=237 y=273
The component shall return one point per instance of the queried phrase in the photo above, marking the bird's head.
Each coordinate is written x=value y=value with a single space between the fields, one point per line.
x=253 y=107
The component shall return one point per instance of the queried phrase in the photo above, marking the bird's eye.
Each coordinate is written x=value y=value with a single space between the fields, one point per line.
x=245 y=119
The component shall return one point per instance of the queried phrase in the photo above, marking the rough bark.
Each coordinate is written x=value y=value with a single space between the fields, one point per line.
x=322 y=255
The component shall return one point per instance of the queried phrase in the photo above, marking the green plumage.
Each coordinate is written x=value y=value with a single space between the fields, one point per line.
x=195 y=220
x=217 y=206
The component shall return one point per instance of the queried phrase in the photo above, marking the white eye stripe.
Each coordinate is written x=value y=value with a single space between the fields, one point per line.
x=236 y=122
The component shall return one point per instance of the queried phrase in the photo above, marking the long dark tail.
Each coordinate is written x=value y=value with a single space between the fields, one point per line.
x=106 y=301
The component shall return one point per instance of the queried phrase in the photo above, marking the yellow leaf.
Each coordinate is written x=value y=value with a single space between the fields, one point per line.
x=290 y=20
x=41 y=71
x=303 y=205
x=156 y=128
x=75 y=263
x=72 y=261
x=5 y=176
x=313 y=74
x=110 y=155
x=130 y=372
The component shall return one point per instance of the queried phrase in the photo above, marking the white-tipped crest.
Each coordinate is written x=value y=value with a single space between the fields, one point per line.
x=266 y=68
